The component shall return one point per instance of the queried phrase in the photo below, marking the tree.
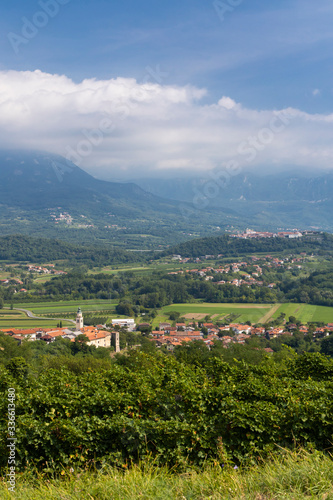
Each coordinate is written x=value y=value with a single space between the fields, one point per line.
x=80 y=345
x=174 y=315
x=327 y=346
x=18 y=367
x=125 y=309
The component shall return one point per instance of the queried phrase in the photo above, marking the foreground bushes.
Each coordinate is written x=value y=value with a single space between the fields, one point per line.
x=152 y=405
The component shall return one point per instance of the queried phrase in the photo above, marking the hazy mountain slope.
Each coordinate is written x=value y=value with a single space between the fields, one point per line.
x=41 y=180
x=38 y=188
x=278 y=200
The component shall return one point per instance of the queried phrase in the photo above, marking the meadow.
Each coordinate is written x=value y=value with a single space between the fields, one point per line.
x=306 y=313
x=256 y=313
x=244 y=312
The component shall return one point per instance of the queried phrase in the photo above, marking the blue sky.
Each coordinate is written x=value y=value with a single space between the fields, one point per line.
x=262 y=55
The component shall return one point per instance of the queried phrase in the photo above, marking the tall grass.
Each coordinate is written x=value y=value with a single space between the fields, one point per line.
x=291 y=475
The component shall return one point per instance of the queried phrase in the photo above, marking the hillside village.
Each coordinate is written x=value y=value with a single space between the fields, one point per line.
x=250 y=273
x=250 y=233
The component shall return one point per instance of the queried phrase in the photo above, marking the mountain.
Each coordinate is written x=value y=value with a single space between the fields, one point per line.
x=42 y=180
x=276 y=200
x=43 y=194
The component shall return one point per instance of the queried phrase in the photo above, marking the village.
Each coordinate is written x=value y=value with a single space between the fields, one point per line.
x=250 y=233
x=250 y=271
x=167 y=335
x=233 y=333
x=98 y=336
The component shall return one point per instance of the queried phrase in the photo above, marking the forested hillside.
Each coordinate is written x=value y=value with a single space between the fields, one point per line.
x=231 y=247
x=27 y=249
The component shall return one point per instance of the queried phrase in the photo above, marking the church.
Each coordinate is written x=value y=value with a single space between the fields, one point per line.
x=79 y=320
x=96 y=337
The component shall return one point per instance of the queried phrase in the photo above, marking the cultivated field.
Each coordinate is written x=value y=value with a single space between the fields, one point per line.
x=242 y=312
x=306 y=313
x=70 y=306
x=19 y=319
x=256 y=313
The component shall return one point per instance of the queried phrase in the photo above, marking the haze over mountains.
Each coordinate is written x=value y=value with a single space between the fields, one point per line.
x=42 y=180
x=35 y=184
x=295 y=198
x=46 y=195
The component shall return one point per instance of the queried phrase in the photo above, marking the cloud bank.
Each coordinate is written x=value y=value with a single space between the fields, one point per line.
x=117 y=128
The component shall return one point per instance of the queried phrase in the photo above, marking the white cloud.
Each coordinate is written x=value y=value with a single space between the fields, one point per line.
x=227 y=103
x=116 y=126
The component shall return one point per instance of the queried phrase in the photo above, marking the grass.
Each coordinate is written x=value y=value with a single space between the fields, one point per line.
x=7 y=313
x=244 y=312
x=32 y=323
x=291 y=475
x=256 y=313
x=17 y=319
x=70 y=306
x=306 y=313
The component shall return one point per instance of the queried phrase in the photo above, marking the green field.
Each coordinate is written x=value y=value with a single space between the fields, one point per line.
x=17 y=319
x=244 y=312
x=69 y=306
x=256 y=313
x=306 y=313
x=31 y=323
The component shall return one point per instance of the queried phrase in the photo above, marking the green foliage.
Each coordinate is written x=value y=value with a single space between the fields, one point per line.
x=178 y=411
x=18 y=368
x=231 y=247
x=326 y=346
x=28 y=249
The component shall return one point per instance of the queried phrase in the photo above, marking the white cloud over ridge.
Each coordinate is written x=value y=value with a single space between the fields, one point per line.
x=120 y=127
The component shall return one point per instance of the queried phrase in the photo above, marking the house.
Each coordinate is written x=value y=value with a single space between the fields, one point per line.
x=237 y=328
x=164 y=326
x=143 y=326
x=26 y=333
x=125 y=323
x=99 y=338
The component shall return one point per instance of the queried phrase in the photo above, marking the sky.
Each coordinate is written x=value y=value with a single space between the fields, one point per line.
x=131 y=89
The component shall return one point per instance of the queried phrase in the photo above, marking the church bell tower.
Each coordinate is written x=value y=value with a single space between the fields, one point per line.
x=79 y=319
